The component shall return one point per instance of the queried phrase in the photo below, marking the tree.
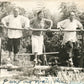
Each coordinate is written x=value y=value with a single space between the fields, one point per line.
x=66 y=8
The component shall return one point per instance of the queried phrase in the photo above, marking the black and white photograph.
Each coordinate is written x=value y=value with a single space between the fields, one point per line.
x=41 y=42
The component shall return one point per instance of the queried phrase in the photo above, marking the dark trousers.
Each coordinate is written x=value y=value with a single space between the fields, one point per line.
x=13 y=45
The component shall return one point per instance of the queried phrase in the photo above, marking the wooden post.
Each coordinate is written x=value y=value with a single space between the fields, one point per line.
x=82 y=57
x=0 y=50
x=1 y=34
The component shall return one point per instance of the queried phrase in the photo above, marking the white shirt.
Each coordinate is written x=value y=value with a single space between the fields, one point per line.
x=68 y=25
x=15 y=22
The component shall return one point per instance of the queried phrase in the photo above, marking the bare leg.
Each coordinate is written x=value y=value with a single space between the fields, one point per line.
x=15 y=57
x=71 y=54
x=10 y=55
x=36 y=58
x=16 y=46
x=69 y=47
x=36 y=55
x=9 y=60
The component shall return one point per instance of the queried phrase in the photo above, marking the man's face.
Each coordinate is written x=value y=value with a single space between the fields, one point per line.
x=40 y=15
x=15 y=12
x=72 y=15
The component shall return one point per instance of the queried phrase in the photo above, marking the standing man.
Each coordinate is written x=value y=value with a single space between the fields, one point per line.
x=70 y=38
x=18 y=22
x=37 y=37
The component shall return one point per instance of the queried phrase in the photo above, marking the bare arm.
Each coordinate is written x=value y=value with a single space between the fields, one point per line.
x=60 y=24
x=51 y=23
x=80 y=25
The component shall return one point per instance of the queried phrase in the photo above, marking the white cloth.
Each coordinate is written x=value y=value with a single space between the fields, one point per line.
x=68 y=25
x=37 y=44
x=15 y=22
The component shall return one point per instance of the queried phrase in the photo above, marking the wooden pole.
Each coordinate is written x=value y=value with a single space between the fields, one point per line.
x=82 y=57
x=0 y=50
x=53 y=30
x=0 y=53
x=59 y=67
x=47 y=53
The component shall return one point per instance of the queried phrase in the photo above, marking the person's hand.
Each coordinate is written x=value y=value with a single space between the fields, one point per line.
x=61 y=29
x=49 y=29
x=81 y=29
x=1 y=25
x=25 y=29
x=30 y=29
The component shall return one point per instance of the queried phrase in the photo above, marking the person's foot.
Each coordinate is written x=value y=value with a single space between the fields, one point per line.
x=9 y=59
x=71 y=62
x=35 y=61
x=9 y=64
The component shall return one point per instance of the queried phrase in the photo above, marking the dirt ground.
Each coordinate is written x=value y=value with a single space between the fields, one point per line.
x=25 y=75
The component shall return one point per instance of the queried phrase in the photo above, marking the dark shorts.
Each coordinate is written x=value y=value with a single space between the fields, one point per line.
x=13 y=45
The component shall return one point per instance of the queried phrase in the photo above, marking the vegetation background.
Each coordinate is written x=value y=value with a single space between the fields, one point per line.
x=52 y=40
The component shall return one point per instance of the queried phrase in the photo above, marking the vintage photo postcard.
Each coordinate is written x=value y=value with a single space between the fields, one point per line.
x=41 y=42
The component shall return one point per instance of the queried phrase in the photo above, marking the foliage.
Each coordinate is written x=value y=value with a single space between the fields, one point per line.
x=66 y=8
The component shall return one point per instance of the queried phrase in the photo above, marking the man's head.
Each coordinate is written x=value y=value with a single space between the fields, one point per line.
x=40 y=14
x=16 y=12
x=72 y=15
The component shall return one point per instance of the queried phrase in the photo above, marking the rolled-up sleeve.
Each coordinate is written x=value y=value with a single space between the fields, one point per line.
x=5 y=20
x=26 y=22
x=79 y=25
x=61 y=23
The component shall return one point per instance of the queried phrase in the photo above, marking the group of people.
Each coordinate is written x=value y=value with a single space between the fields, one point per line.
x=15 y=22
